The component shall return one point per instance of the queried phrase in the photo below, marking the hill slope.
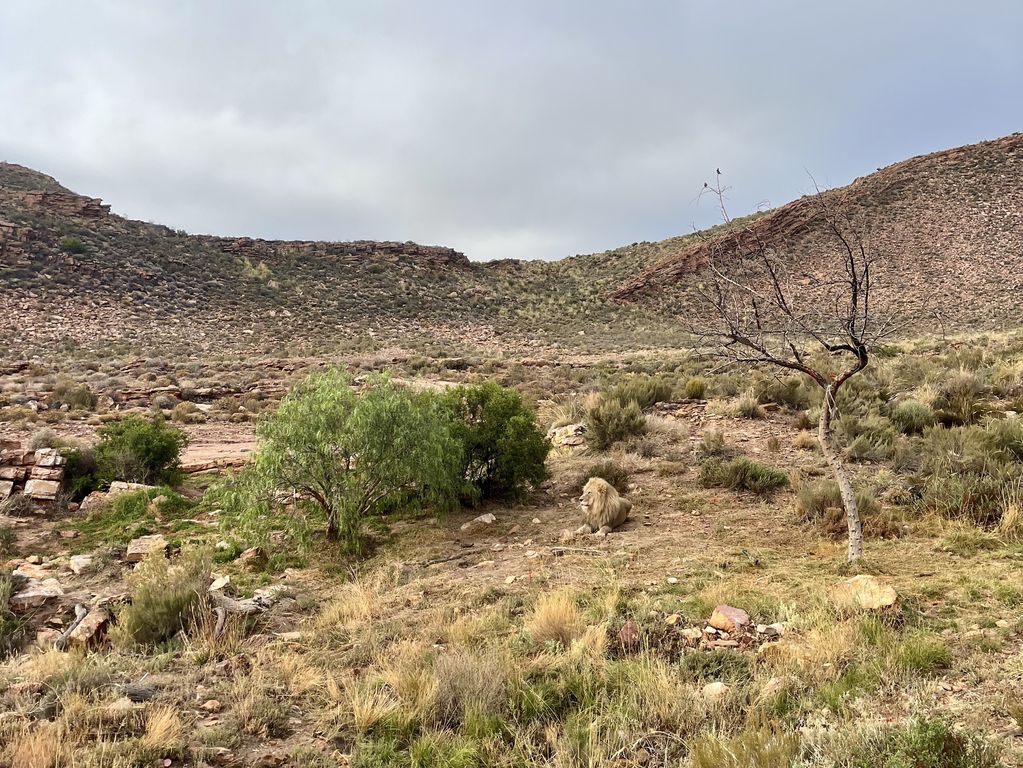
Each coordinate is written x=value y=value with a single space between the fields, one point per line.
x=948 y=227
x=74 y=275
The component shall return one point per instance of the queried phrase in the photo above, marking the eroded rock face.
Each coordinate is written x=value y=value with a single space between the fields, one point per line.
x=80 y=564
x=42 y=490
x=91 y=631
x=865 y=592
x=568 y=439
x=144 y=546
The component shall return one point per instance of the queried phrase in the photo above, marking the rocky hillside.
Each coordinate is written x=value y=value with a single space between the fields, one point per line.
x=948 y=228
x=74 y=275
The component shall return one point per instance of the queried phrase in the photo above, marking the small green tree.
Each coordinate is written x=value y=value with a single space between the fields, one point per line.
x=138 y=450
x=504 y=453
x=352 y=455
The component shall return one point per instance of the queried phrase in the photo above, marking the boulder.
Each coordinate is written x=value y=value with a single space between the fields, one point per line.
x=714 y=693
x=43 y=490
x=118 y=487
x=729 y=619
x=16 y=474
x=864 y=592
x=144 y=546
x=80 y=564
x=568 y=439
x=93 y=500
x=630 y=636
x=32 y=571
x=35 y=594
x=6 y=489
x=479 y=522
x=48 y=473
x=253 y=557
x=772 y=687
x=91 y=630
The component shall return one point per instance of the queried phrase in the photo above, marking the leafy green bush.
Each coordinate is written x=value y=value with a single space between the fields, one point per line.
x=912 y=417
x=614 y=473
x=348 y=456
x=164 y=596
x=81 y=473
x=504 y=453
x=138 y=450
x=609 y=422
x=742 y=474
x=71 y=245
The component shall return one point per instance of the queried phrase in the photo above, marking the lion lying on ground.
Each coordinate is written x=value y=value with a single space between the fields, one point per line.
x=603 y=509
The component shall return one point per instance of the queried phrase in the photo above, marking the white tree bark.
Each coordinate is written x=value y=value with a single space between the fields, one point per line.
x=834 y=459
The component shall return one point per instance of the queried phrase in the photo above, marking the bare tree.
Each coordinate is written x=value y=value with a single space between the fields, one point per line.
x=817 y=316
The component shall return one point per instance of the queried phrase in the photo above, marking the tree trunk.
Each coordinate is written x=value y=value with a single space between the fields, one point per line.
x=852 y=512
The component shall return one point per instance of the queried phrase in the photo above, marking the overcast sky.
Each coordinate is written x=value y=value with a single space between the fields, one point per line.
x=522 y=128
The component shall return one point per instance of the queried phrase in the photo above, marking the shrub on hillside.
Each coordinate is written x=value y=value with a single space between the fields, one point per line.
x=820 y=503
x=164 y=596
x=71 y=245
x=77 y=397
x=742 y=474
x=695 y=389
x=608 y=421
x=503 y=451
x=791 y=391
x=960 y=399
x=81 y=473
x=13 y=630
x=912 y=417
x=348 y=456
x=139 y=450
x=643 y=390
x=614 y=473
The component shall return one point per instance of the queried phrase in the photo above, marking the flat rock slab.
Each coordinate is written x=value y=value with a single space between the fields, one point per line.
x=44 y=490
x=35 y=594
x=6 y=489
x=865 y=592
x=49 y=457
x=92 y=629
x=80 y=564
x=144 y=546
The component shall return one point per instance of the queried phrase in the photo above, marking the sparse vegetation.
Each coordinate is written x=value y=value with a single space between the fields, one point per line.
x=608 y=421
x=741 y=474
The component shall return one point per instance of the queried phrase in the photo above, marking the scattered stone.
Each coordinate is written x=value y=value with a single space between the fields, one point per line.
x=864 y=592
x=673 y=619
x=219 y=583
x=672 y=580
x=45 y=638
x=1002 y=624
x=118 y=487
x=510 y=579
x=48 y=473
x=16 y=474
x=253 y=557
x=34 y=560
x=772 y=687
x=6 y=489
x=728 y=619
x=714 y=693
x=49 y=457
x=79 y=564
x=212 y=705
x=153 y=507
x=35 y=593
x=119 y=709
x=69 y=534
x=31 y=571
x=536 y=521
x=692 y=635
x=144 y=546
x=630 y=636
x=479 y=522
x=93 y=500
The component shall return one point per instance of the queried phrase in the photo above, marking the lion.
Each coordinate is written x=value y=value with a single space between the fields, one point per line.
x=603 y=509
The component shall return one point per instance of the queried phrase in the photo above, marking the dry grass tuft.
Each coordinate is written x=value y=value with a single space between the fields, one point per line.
x=556 y=618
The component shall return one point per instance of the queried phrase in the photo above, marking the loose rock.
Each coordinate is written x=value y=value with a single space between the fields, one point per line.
x=729 y=619
x=144 y=546
x=865 y=592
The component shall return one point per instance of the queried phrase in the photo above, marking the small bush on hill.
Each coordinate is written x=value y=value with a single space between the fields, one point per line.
x=960 y=400
x=187 y=413
x=13 y=630
x=742 y=474
x=138 y=450
x=642 y=390
x=81 y=471
x=614 y=473
x=791 y=392
x=71 y=245
x=713 y=444
x=923 y=744
x=164 y=595
x=504 y=453
x=348 y=456
x=44 y=438
x=912 y=417
x=609 y=422
x=77 y=397
x=695 y=389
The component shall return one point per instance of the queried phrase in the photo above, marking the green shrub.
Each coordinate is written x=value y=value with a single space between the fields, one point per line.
x=71 y=245
x=164 y=597
x=187 y=413
x=130 y=515
x=614 y=473
x=643 y=390
x=13 y=630
x=349 y=456
x=77 y=397
x=695 y=389
x=609 y=422
x=742 y=474
x=960 y=400
x=138 y=450
x=815 y=499
x=922 y=744
x=747 y=407
x=912 y=417
x=81 y=473
x=755 y=749
x=44 y=438
x=790 y=392
x=713 y=444
x=504 y=453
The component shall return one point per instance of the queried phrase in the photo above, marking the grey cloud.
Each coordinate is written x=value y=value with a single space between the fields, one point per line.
x=529 y=129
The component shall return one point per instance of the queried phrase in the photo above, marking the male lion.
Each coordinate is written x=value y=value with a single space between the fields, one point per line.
x=603 y=509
